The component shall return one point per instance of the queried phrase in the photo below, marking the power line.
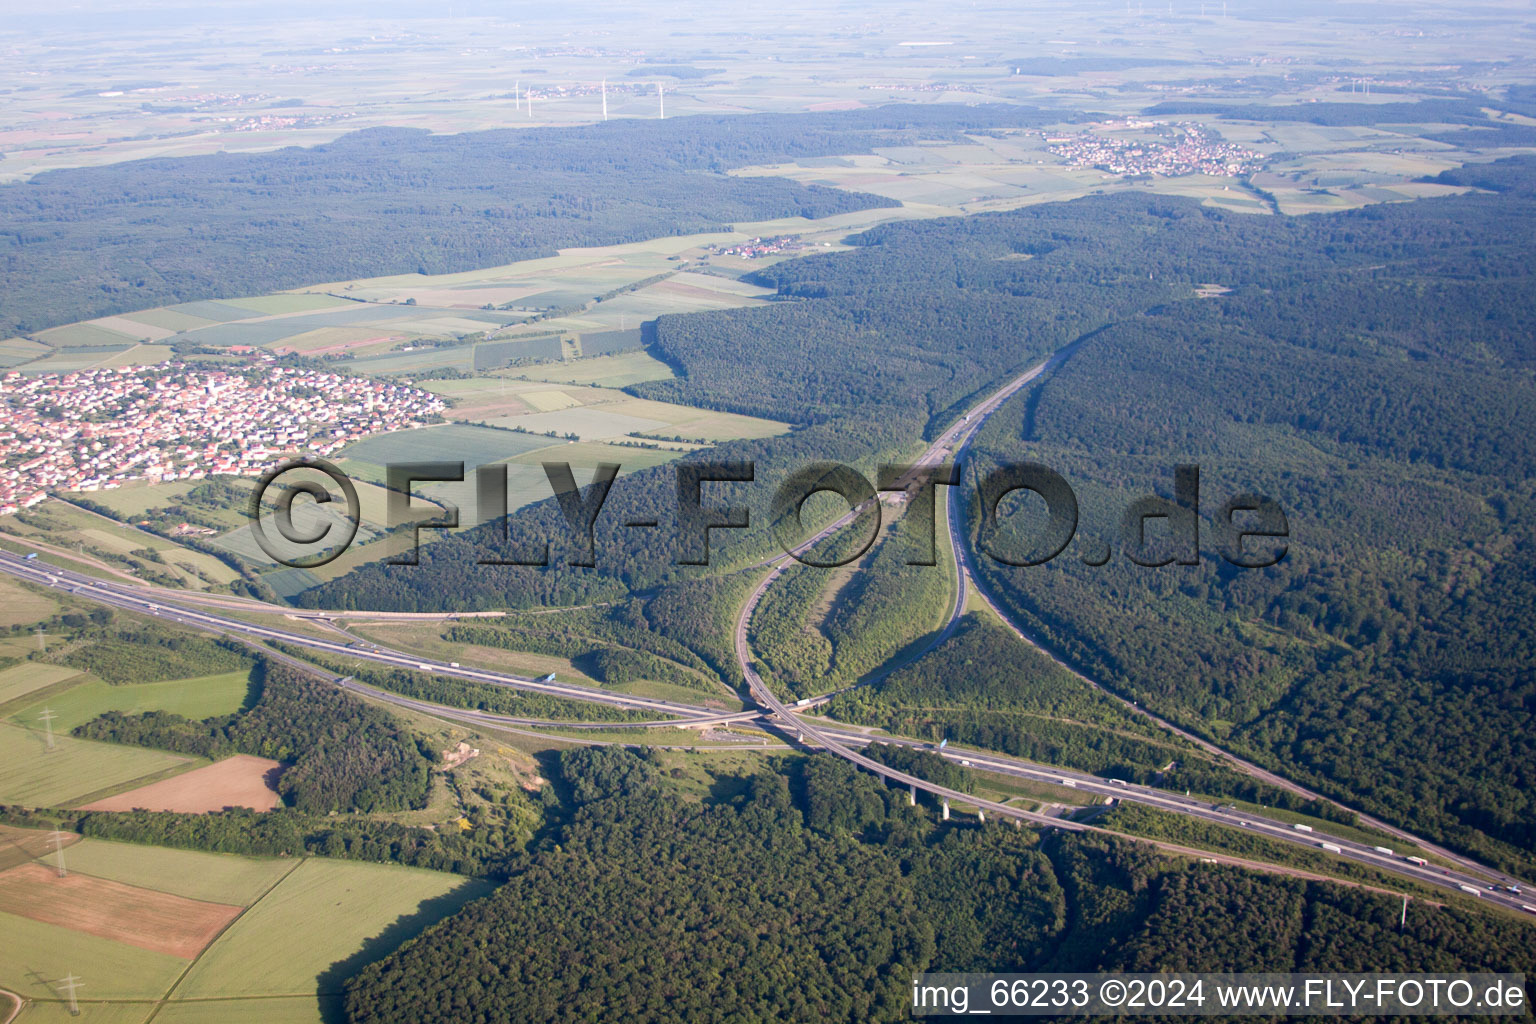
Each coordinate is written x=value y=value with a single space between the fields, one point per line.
x=47 y=718
x=56 y=839
x=70 y=985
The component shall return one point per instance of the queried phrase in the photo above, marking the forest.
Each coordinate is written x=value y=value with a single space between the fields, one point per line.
x=1390 y=408
x=816 y=893
x=88 y=242
x=340 y=753
x=135 y=652
x=1371 y=371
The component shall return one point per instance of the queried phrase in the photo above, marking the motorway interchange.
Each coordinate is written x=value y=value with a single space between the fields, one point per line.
x=203 y=611
x=179 y=607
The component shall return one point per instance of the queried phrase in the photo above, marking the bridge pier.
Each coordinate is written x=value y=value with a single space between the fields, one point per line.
x=946 y=808
x=981 y=817
x=912 y=797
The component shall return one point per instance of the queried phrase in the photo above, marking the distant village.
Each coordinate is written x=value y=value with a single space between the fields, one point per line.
x=1193 y=149
x=97 y=429
x=758 y=247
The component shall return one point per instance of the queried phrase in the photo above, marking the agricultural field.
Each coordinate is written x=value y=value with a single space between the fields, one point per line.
x=320 y=915
x=199 y=698
x=20 y=845
x=615 y=371
x=130 y=920
x=135 y=499
x=21 y=606
x=585 y=455
x=33 y=954
x=18 y=681
x=156 y=921
x=471 y=445
x=213 y=877
x=239 y=781
x=31 y=774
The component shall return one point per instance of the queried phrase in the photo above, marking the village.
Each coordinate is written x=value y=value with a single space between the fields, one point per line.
x=1192 y=149
x=97 y=429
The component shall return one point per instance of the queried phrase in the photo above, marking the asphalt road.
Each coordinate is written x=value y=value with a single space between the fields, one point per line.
x=836 y=738
x=1467 y=876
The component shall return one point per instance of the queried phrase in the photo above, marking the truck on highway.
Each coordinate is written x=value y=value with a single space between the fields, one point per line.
x=802 y=702
x=1331 y=848
x=423 y=666
x=548 y=678
x=32 y=556
x=1382 y=850
x=1470 y=889
x=1302 y=828
x=1420 y=861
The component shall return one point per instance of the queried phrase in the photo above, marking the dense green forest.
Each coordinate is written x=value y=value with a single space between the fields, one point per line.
x=816 y=893
x=1390 y=407
x=341 y=754
x=466 y=693
x=88 y=242
x=815 y=630
x=1372 y=371
x=123 y=653
x=501 y=822
x=867 y=352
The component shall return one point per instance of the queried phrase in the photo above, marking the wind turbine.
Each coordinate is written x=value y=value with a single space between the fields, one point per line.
x=661 y=103
x=605 y=99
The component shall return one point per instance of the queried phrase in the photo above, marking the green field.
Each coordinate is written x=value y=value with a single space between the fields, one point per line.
x=33 y=955
x=82 y=334
x=587 y=454
x=105 y=1013
x=453 y=441
x=214 y=877
x=264 y=305
x=616 y=371
x=34 y=776
x=325 y=912
x=283 y=1010
x=21 y=607
x=19 y=680
x=199 y=698
x=135 y=499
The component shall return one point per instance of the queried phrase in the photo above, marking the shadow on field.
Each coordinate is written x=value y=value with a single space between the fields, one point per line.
x=331 y=983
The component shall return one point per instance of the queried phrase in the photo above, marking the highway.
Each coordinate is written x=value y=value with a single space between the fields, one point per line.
x=838 y=739
x=833 y=737
x=153 y=603
x=1465 y=878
